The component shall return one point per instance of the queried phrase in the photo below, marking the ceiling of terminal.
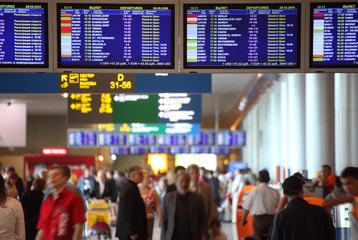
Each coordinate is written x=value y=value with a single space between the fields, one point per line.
x=226 y=90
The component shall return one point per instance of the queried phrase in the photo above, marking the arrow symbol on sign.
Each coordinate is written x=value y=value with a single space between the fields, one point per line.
x=64 y=78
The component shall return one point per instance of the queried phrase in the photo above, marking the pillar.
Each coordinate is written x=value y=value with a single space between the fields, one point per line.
x=284 y=126
x=346 y=118
x=319 y=122
x=296 y=122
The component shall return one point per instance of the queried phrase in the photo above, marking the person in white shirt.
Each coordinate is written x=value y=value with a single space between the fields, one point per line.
x=262 y=201
x=12 y=223
x=237 y=185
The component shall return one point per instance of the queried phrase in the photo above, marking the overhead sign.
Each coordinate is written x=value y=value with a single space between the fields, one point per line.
x=174 y=83
x=143 y=108
x=83 y=138
x=97 y=83
x=133 y=83
x=142 y=128
x=54 y=151
x=102 y=83
x=108 y=135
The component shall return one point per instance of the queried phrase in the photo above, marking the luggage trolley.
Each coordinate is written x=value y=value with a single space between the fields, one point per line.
x=98 y=220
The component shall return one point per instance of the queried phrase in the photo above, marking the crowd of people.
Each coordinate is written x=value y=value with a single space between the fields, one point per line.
x=190 y=203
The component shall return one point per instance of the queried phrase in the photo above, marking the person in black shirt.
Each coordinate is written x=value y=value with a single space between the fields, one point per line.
x=300 y=220
x=132 y=220
x=31 y=203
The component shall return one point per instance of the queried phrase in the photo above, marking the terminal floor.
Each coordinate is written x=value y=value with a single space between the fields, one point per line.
x=228 y=228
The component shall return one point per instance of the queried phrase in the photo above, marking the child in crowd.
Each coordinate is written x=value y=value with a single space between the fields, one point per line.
x=215 y=230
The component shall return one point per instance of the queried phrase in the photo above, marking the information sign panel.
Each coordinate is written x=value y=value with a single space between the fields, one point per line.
x=85 y=138
x=228 y=36
x=116 y=35
x=97 y=83
x=24 y=35
x=144 y=108
x=334 y=35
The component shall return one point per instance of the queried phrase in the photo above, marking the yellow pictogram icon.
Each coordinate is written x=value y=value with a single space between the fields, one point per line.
x=64 y=78
x=125 y=128
x=74 y=78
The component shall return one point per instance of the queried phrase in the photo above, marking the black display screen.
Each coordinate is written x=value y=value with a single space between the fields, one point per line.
x=242 y=35
x=334 y=35
x=116 y=36
x=23 y=35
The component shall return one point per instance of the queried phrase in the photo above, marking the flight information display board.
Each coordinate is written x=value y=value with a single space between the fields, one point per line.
x=23 y=35
x=334 y=35
x=242 y=35
x=109 y=139
x=141 y=140
x=127 y=108
x=85 y=138
x=169 y=140
x=203 y=138
x=115 y=36
x=228 y=138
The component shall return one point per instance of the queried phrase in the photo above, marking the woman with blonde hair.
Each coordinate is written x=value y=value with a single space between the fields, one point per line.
x=12 y=224
x=150 y=199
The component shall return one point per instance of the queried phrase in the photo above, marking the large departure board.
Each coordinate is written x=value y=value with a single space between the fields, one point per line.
x=334 y=35
x=23 y=35
x=242 y=35
x=115 y=36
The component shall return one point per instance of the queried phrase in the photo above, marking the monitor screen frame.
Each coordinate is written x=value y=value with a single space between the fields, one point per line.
x=309 y=42
x=116 y=69
x=48 y=66
x=220 y=69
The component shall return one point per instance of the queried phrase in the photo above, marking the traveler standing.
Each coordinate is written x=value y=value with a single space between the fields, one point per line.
x=12 y=224
x=262 y=201
x=301 y=220
x=132 y=220
x=62 y=214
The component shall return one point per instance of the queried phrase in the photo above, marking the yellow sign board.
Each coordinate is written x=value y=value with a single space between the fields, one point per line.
x=97 y=83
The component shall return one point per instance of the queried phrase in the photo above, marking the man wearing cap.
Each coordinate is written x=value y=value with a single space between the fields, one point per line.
x=300 y=220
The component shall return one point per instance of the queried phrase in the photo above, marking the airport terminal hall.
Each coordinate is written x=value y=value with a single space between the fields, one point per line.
x=179 y=120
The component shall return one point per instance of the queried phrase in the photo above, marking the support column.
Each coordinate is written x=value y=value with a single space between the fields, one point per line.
x=263 y=151
x=250 y=151
x=284 y=128
x=346 y=116
x=296 y=122
x=319 y=122
x=274 y=130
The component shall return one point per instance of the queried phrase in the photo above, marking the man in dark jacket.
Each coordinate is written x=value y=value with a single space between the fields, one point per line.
x=132 y=221
x=183 y=215
x=300 y=220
